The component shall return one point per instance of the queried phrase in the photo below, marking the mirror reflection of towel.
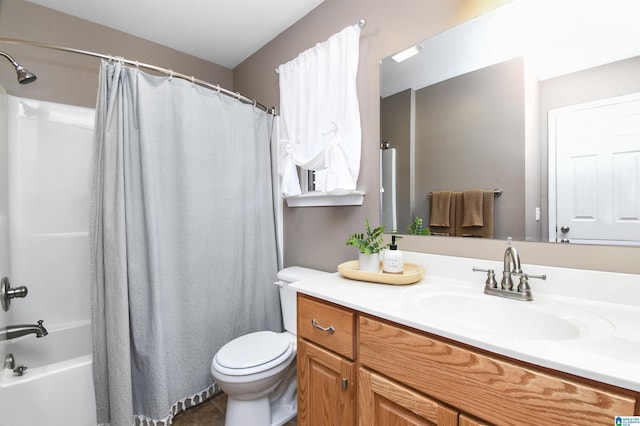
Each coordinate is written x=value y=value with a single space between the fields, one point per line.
x=472 y=208
x=440 y=209
x=486 y=230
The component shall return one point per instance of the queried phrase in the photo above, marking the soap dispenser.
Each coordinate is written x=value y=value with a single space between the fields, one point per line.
x=393 y=259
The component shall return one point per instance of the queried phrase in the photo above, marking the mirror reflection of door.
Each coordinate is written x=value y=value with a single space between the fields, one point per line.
x=597 y=173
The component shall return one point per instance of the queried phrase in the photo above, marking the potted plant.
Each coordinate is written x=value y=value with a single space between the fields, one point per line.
x=416 y=228
x=369 y=245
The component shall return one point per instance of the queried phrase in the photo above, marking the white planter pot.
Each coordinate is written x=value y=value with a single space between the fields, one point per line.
x=369 y=262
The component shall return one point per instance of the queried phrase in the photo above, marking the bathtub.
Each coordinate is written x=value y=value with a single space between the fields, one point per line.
x=57 y=387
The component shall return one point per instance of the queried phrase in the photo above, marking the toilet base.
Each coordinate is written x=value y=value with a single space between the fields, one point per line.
x=255 y=412
x=259 y=412
x=274 y=409
x=282 y=414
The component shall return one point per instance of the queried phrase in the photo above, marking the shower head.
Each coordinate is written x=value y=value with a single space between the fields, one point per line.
x=24 y=76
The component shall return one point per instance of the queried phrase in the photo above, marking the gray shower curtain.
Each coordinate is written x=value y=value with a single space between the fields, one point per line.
x=182 y=239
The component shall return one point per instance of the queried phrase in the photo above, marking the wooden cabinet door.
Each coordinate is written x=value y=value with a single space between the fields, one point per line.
x=326 y=387
x=382 y=402
x=470 y=421
x=471 y=380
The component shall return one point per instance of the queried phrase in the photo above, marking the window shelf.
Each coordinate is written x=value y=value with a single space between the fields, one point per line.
x=323 y=199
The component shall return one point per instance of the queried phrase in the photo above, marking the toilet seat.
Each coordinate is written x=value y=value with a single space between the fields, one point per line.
x=253 y=353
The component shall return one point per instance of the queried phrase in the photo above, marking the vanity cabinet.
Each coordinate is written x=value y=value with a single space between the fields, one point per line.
x=409 y=377
x=483 y=385
x=326 y=366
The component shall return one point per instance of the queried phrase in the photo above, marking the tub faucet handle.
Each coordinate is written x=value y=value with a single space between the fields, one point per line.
x=7 y=293
x=19 y=370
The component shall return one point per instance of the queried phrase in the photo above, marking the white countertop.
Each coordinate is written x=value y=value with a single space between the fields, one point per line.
x=607 y=311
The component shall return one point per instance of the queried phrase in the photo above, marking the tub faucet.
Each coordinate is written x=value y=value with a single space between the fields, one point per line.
x=9 y=362
x=511 y=266
x=15 y=331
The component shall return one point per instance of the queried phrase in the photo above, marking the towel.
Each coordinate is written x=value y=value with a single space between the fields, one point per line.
x=440 y=209
x=486 y=230
x=450 y=228
x=472 y=208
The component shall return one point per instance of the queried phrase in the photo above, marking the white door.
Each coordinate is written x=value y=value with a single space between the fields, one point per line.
x=597 y=165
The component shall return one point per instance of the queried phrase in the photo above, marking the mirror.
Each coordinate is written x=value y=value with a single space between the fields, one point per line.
x=493 y=104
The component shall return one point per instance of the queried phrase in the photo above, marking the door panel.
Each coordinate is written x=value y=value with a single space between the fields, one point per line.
x=598 y=171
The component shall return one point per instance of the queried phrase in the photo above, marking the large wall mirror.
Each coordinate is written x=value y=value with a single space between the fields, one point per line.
x=539 y=99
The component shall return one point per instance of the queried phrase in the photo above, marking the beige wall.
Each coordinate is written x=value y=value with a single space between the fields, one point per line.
x=470 y=134
x=70 y=78
x=314 y=236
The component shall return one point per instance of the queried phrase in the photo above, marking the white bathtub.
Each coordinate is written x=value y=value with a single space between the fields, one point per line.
x=57 y=387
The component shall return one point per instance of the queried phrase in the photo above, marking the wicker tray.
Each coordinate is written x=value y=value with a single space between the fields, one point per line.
x=412 y=273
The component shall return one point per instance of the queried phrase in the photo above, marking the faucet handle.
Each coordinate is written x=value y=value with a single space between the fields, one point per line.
x=19 y=370
x=523 y=285
x=526 y=276
x=7 y=293
x=491 y=277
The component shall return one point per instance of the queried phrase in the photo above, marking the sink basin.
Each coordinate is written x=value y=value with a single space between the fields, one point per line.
x=540 y=319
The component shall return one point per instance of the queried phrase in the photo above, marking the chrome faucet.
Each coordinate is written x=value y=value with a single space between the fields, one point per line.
x=511 y=267
x=9 y=362
x=15 y=331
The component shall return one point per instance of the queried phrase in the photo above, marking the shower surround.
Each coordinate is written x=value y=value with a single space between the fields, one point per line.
x=45 y=157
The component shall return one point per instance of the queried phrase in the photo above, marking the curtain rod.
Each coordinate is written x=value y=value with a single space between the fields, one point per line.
x=137 y=64
x=361 y=23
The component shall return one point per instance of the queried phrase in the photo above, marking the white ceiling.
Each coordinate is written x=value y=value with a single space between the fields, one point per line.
x=225 y=32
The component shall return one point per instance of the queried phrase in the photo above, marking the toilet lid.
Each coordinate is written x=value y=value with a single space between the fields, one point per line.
x=254 y=349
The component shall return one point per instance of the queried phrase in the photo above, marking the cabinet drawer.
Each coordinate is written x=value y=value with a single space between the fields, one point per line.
x=494 y=389
x=338 y=324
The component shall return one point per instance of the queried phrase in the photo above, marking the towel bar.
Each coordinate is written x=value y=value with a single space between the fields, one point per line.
x=496 y=193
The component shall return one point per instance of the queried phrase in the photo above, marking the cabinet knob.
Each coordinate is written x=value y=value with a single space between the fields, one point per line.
x=345 y=383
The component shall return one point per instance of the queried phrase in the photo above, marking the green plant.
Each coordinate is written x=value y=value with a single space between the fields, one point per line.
x=416 y=228
x=370 y=241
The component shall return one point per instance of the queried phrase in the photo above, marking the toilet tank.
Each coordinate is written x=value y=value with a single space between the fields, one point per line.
x=286 y=276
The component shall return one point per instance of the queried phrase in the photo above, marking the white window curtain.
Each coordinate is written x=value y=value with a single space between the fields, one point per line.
x=320 y=115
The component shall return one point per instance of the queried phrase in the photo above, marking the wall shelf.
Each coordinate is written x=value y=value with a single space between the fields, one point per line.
x=323 y=199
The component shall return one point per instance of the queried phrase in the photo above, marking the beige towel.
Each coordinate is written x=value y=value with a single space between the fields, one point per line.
x=472 y=208
x=486 y=230
x=440 y=209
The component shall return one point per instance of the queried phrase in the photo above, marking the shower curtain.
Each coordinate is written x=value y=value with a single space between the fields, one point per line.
x=183 y=240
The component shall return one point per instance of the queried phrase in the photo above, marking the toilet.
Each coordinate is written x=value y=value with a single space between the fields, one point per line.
x=257 y=371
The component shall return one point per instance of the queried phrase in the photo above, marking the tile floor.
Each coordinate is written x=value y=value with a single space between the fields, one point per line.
x=209 y=413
